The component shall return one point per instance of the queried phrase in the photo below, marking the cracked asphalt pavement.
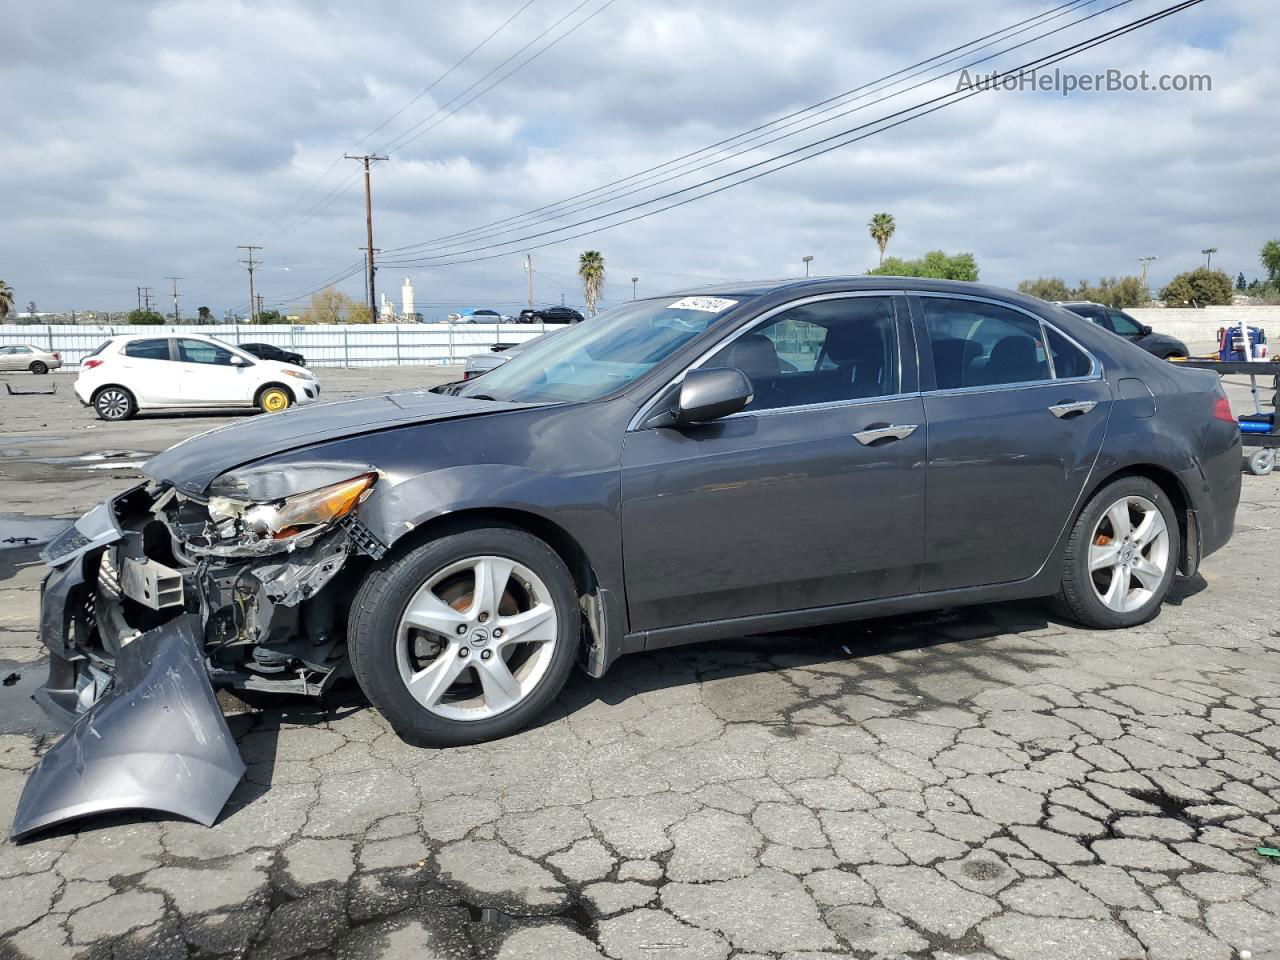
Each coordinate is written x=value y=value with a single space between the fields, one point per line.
x=976 y=783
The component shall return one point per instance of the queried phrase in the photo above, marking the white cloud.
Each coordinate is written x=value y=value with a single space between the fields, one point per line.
x=149 y=139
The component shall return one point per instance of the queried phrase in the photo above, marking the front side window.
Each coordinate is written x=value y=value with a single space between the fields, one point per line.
x=821 y=352
x=199 y=351
x=148 y=349
x=981 y=344
x=591 y=360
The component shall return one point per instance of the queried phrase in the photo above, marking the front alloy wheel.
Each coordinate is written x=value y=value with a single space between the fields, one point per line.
x=467 y=637
x=477 y=638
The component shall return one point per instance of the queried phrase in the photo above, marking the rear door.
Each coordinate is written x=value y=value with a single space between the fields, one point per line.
x=9 y=358
x=1016 y=416
x=151 y=373
x=208 y=376
x=811 y=496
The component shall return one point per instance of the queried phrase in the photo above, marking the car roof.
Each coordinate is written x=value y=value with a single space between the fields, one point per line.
x=757 y=288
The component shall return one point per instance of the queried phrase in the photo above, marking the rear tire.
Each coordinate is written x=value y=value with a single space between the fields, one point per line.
x=437 y=654
x=1121 y=557
x=39 y=367
x=273 y=398
x=114 y=404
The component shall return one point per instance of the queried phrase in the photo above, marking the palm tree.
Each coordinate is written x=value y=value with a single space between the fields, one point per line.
x=881 y=227
x=6 y=299
x=591 y=270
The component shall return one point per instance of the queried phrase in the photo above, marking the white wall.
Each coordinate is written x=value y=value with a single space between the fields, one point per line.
x=1198 y=329
x=350 y=345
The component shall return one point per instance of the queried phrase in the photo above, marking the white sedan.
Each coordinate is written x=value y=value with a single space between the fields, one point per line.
x=147 y=372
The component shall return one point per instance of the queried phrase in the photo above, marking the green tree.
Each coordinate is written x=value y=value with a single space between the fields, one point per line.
x=1046 y=288
x=1270 y=257
x=1119 y=293
x=6 y=299
x=881 y=227
x=591 y=271
x=935 y=264
x=1240 y=284
x=204 y=315
x=270 y=316
x=1198 y=288
x=144 y=318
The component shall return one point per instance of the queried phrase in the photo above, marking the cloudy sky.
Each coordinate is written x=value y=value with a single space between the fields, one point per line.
x=147 y=140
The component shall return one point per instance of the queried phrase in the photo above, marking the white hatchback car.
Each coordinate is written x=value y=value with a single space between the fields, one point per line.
x=186 y=371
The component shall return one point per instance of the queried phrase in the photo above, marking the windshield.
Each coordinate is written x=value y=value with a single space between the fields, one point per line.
x=601 y=355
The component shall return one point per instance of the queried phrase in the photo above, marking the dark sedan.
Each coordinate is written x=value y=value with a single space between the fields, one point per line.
x=268 y=351
x=1121 y=324
x=713 y=464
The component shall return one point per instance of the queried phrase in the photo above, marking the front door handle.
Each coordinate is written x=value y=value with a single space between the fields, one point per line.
x=898 y=431
x=1061 y=410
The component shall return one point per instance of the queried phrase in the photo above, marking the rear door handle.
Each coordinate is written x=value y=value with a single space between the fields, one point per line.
x=1061 y=410
x=898 y=431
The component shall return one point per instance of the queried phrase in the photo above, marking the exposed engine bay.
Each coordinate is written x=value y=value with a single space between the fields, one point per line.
x=157 y=597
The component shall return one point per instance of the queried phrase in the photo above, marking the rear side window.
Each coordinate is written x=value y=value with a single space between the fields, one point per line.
x=981 y=344
x=148 y=349
x=98 y=349
x=1068 y=359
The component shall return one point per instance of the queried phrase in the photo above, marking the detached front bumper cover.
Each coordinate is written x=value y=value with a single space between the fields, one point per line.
x=155 y=740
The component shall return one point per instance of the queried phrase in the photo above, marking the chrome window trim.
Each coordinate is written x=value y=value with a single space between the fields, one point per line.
x=648 y=405
x=1095 y=366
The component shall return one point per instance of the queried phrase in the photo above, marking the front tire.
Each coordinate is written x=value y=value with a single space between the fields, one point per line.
x=466 y=638
x=1121 y=556
x=39 y=367
x=273 y=399
x=114 y=404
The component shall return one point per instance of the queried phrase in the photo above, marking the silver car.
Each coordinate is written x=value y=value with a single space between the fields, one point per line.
x=24 y=356
x=479 y=363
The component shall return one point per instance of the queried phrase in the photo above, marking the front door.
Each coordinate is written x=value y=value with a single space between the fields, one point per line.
x=1014 y=430
x=208 y=376
x=811 y=496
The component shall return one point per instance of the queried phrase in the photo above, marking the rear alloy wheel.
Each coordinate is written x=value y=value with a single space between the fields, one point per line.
x=114 y=403
x=274 y=399
x=466 y=638
x=1121 y=557
x=39 y=367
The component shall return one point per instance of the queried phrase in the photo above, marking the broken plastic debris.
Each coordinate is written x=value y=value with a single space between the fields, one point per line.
x=1268 y=852
x=11 y=679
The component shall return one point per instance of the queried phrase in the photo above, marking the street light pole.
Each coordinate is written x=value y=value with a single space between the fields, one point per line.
x=1145 y=262
x=807 y=261
x=1208 y=254
x=634 y=281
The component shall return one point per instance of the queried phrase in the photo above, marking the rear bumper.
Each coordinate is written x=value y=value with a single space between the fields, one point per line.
x=1214 y=487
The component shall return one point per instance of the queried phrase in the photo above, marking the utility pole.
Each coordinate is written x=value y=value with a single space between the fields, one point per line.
x=528 y=268
x=253 y=313
x=176 y=316
x=634 y=281
x=146 y=298
x=1145 y=262
x=259 y=304
x=139 y=298
x=367 y=159
x=373 y=312
x=1208 y=253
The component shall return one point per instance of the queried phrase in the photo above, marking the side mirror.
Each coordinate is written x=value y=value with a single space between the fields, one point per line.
x=711 y=394
x=1146 y=331
x=238 y=361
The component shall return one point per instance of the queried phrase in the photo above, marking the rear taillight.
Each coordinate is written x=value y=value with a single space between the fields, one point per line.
x=56 y=355
x=89 y=364
x=1222 y=410
x=468 y=374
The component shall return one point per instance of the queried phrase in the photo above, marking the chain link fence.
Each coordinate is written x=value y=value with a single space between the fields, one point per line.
x=337 y=345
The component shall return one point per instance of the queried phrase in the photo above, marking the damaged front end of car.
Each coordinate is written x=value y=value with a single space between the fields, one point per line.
x=157 y=598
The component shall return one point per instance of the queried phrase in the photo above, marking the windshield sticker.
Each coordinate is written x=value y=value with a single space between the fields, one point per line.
x=705 y=304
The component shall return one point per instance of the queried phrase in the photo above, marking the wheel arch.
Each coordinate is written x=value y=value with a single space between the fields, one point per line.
x=602 y=623
x=1179 y=497
x=257 y=394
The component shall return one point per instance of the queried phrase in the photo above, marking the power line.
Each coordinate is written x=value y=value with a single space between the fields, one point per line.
x=1059 y=11
x=827 y=144
x=740 y=152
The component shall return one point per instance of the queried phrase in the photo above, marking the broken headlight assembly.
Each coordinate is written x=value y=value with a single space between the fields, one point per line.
x=290 y=519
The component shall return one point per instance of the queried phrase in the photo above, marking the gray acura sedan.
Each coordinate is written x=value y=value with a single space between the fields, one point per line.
x=706 y=464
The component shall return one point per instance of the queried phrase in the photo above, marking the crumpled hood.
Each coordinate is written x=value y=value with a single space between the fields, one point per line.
x=192 y=464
